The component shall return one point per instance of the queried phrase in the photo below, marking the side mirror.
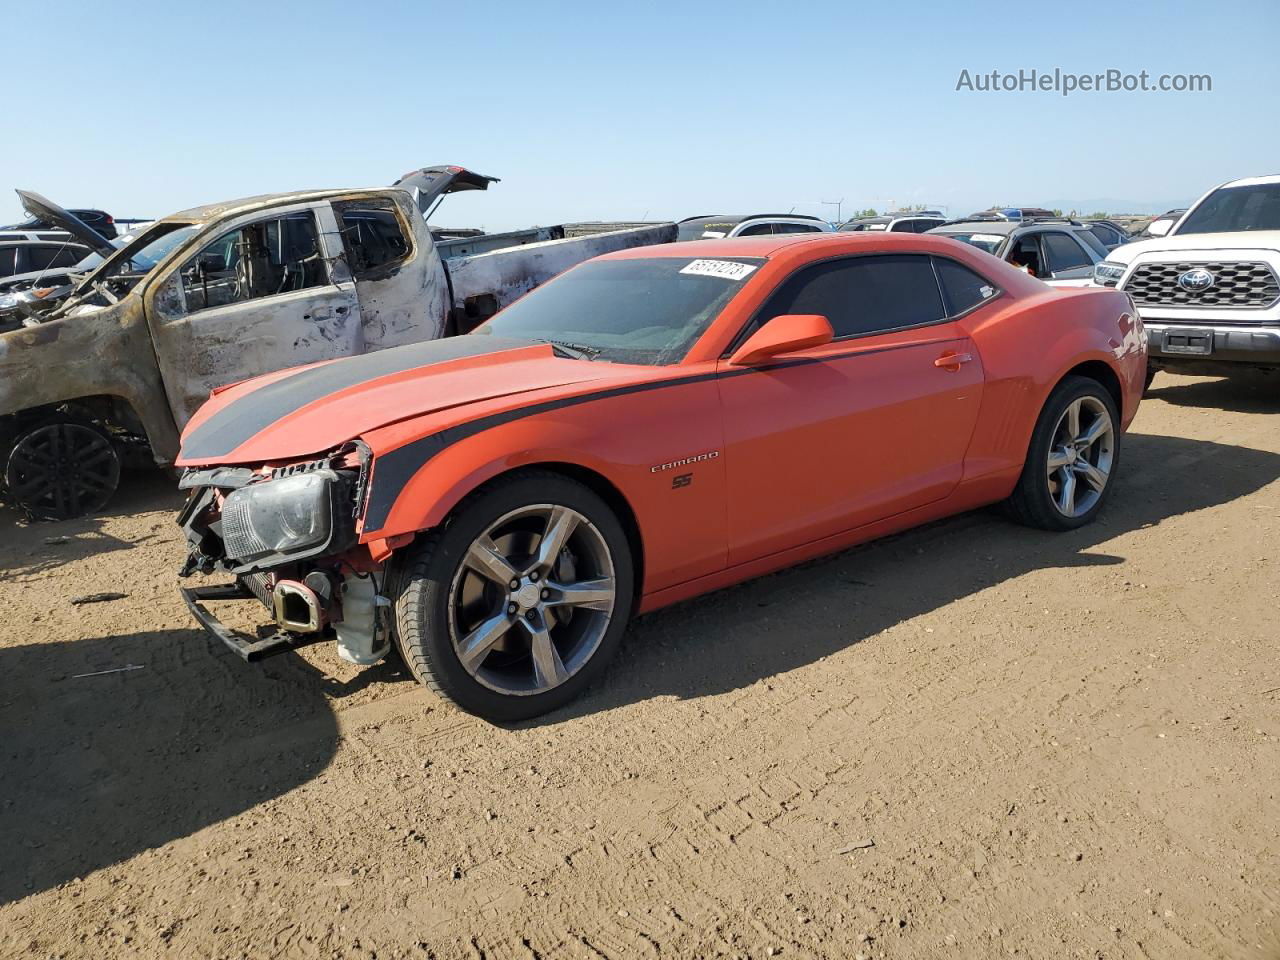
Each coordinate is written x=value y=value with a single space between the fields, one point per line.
x=1158 y=228
x=784 y=334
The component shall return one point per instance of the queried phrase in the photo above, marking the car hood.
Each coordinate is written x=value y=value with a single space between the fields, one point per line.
x=1238 y=240
x=48 y=211
x=310 y=410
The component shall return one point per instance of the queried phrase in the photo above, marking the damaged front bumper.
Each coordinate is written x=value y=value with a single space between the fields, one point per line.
x=288 y=536
x=248 y=649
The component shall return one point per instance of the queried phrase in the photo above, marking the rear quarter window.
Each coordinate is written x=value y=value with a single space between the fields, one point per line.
x=963 y=288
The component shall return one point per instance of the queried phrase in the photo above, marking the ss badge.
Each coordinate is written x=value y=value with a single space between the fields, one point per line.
x=683 y=480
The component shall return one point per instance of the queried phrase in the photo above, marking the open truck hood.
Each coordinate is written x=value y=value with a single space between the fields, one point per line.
x=48 y=211
x=310 y=410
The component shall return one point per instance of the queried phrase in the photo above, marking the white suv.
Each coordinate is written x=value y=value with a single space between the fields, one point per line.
x=1209 y=290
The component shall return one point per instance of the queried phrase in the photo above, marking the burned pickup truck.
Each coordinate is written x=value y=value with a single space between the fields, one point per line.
x=221 y=293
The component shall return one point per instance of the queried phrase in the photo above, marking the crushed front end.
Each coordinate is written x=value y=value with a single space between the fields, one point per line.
x=288 y=536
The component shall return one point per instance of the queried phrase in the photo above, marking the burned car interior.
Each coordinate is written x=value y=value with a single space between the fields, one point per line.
x=262 y=259
x=372 y=236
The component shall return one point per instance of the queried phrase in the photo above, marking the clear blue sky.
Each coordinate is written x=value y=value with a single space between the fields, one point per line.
x=595 y=111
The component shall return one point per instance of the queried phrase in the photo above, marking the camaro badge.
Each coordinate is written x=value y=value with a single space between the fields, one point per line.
x=710 y=455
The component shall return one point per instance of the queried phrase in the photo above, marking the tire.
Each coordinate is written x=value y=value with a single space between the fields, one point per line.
x=447 y=610
x=62 y=468
x=1038 y=499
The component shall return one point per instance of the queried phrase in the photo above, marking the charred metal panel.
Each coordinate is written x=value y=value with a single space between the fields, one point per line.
x=411 y=302
x=509 y=274
x=99 y=352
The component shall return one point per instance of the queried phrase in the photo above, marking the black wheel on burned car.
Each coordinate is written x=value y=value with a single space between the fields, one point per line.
x=1074 y=452
x=515 y=605
x=61 y=469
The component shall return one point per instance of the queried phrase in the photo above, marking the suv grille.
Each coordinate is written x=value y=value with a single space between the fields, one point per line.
x=1244 y=284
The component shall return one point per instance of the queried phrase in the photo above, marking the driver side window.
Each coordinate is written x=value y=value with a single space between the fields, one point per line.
x=262 y=259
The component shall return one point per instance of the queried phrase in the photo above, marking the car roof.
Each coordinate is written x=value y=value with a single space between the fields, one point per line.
x=981 y=226
x=40 y=242
x=768 y=246
x=210 y=211
x=736 y=218
x=1253 y=181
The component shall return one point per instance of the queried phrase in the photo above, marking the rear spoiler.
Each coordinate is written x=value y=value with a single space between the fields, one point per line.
x=431 y=183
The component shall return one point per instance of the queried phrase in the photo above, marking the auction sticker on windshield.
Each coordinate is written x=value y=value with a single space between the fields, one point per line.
x=725 y=269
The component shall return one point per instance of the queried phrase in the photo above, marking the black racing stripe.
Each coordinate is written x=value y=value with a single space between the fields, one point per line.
x=242 y=419
x=392 y=471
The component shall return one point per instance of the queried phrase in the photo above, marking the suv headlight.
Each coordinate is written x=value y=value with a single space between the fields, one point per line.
x=1107 y=273
x=280 y=520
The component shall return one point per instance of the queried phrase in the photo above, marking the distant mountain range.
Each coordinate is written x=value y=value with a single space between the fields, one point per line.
x=1116 y=205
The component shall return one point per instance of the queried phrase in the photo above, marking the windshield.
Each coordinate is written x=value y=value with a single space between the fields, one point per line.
x=1236 y=210
x=94 y=260
x=860 y=227
x=157 y=243
x=647 y=311
x=986 y=242
x=117 y=276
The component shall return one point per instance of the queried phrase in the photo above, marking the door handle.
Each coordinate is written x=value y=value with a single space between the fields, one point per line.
x=952 y=361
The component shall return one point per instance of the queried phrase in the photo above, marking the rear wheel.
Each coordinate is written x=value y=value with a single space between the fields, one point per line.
x=62 y=469
x=1074 y=452
x=515 y=606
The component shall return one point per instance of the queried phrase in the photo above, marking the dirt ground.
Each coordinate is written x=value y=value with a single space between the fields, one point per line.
x=972 y=740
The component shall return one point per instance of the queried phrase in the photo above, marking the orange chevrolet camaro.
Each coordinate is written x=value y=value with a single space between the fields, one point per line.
x=650 y=425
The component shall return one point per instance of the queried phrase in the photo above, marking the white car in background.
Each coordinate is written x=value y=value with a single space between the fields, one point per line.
x=902 y=221
x=720 y=226
x=1209 y=290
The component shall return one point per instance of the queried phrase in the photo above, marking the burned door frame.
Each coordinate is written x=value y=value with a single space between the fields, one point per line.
x=407 y=300
x=201 y=350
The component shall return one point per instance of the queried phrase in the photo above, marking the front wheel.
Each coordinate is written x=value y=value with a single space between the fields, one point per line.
x=517 y=603
x=1072 y=459
x=62 y=469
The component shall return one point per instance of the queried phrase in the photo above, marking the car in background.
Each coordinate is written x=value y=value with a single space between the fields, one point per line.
x=1011 y=213
x=25 y=296
x=1162 y=224
x=1209 y=290
x=724 y=226
x=650 y=426
x=68 y=241
x=908 y=221
x=21 y=254
x=99 y=220
x=1060 y=252
x=1109 y=233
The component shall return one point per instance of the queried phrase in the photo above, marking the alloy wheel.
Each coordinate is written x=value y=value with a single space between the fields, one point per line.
x=62 y=470
x=1081 y=454
x=531 y=599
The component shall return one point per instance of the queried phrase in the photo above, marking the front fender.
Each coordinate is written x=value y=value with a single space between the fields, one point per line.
x=104 y=353
x=628 y=441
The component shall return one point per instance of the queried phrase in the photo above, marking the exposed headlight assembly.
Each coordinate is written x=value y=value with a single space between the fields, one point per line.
x=1108 y=274
x=277 y=521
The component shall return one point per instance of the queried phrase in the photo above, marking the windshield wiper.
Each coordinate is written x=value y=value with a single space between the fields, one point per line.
x=574 y=351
